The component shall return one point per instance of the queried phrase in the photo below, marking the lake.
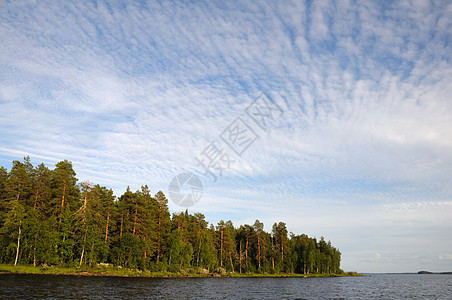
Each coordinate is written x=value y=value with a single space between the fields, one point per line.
x=373 y=286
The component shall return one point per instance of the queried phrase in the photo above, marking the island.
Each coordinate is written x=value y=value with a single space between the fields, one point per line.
x=53 y=224
x=428 y=272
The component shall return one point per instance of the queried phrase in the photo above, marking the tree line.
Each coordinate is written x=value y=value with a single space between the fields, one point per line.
x=47 y=217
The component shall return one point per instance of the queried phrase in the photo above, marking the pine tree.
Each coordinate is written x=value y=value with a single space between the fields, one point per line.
x=280 y=241
x=163 y=224
x=144 y=221
x=229 y=244
x=207 y=251
x=65 y=193
x=41 y=187
x=259 y=230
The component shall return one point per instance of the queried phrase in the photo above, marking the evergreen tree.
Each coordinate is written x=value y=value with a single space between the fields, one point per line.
x=207 y=252
x=41 y=187
x=145 y=227
x=226 y=244
x=163 y=224
x=281 y=243
x=259 y=242
x=63 y=185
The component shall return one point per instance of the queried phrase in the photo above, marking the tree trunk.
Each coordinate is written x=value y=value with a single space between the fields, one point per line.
x=199 y=252
x=62 y=201
x=221 y=247
x=36 y=198
x=240 y=258
x=106 y=228
x=246 y=254
x=159 y=235
x=259 y=251
x=273 y=254
x=83 y=249
x=18 y=245
x=145 y=252
x=84 y=205
x=18 y=193
x=34 y=252
x=282 y=251
x=136 y=217
x=122 y=220
x=91 y=254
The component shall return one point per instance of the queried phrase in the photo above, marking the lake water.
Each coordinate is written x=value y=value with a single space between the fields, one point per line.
x=373 y=286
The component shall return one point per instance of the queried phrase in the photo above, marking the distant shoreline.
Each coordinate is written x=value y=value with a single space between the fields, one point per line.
x=428 y=272
x=120 y=272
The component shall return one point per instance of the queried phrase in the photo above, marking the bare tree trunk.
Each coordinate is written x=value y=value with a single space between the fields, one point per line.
x=34 y=253
x=106 y=228
x=199 y=252
x=18 y=245
x=221 y=247
x=18 y=238
x=84 y=204
x=83 y=249
x=62 y=201
x=86 y=186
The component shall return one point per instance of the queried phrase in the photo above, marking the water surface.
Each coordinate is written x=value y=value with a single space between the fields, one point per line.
x=373 y=286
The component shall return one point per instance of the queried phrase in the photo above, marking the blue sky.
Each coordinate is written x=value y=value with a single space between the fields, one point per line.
x=132 y=92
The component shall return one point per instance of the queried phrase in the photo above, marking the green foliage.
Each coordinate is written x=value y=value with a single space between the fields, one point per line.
x=48 y=219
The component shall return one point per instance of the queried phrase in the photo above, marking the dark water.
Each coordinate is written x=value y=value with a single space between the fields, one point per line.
x=374 y=286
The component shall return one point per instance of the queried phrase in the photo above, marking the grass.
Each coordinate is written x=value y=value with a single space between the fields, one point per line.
x=124 y=272
x=90 y=271
x=35 y=270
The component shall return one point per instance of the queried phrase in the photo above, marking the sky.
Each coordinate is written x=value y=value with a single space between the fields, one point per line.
x=334 y=117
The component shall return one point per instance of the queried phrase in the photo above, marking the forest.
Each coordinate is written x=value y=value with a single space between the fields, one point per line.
x=49 y=218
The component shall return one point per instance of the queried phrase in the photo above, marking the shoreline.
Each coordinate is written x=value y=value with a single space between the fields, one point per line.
x=119 y=272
